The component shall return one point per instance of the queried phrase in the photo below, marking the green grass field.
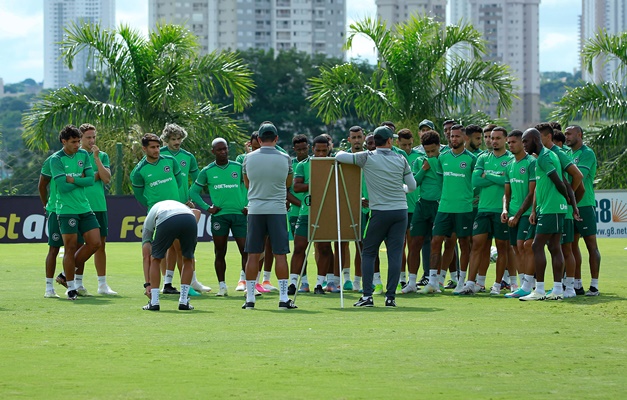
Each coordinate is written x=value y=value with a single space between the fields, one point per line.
x=438 y=346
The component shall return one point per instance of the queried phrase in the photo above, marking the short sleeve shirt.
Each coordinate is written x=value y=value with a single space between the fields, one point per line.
x=225 y=184
x=75 y=201
x=491 y=197
x=303 y=170
x=295 y=210
x=51 y=205
x=518 y=175
x=267 y=170
x=188 y=165
x=158 y=179
x=412 y=197
x=586 y=161
x=96 y=193
x=429 y=181
x=456 y=171
x=548 y=199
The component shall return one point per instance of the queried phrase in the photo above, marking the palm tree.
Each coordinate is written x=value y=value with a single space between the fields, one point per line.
x=604 y=102
x=422 y=72
x=153 y=81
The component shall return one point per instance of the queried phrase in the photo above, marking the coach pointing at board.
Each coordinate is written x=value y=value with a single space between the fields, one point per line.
x=388 y=177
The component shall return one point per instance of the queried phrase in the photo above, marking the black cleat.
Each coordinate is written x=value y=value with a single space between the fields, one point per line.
x=169 y=289
x=287 y=305
x=580 y=291
x=319 y=290
x=61 y=280
x=249 y=305
x=291 y=290
x=363 y=302
x=186 y=306
x=390 y=302
x=72 y=295
x=423 y=282
x=150 y=307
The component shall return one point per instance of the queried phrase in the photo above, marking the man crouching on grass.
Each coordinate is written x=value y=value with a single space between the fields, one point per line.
x=174 y=220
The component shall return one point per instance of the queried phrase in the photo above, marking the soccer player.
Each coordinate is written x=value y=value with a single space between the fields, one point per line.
x=405 y=142
x=487 y=136
x=430 y=183
x=489 y=177
x=520 y=186
x=302 y=176
x=175 y=221
x=96 y=195
x=586 y=161
x=268 y=176
x=447 y=128
x=72 y=171
x=454 y=215
x=224 y=182
x=551 y=199
x=388 y=178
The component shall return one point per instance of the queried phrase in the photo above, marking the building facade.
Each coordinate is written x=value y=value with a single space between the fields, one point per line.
x=396 y=11
x=602 y=15
x=59 y=15
x=312 y=26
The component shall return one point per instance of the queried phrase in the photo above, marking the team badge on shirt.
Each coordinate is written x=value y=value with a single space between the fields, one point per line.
x=522 y=170
x=234 y=175
x=183 y=163
x=80 y=163
x=503 y=163
x=166 y=168
x=462 y=164
x=576 y=160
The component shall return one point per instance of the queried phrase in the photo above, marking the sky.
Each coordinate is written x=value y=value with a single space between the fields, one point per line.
x=21 y=34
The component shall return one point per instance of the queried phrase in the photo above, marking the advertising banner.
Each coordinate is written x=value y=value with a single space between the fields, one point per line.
x=611 y=213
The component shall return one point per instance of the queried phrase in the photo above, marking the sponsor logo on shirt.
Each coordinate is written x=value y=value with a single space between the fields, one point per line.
x=225 y=186
x=448 y=173
x=160 y=181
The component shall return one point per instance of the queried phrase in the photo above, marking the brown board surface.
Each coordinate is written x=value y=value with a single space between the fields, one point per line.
x=323 y=199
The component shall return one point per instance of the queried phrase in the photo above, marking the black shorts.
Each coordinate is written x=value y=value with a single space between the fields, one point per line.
x=182 y=227
x=262 y=225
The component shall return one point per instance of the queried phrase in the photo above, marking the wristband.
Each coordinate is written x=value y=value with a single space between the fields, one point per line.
x=146 y=284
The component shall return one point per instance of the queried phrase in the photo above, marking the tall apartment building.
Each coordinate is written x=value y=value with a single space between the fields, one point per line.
x=608 y=15
x=395 y=11
x=60 y=14
x=312 y=26
x=511 y=28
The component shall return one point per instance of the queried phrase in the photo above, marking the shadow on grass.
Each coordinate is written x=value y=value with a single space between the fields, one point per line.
x=181 y=312
x=386 y=309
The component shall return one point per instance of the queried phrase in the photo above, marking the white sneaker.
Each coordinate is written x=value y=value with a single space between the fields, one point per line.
x=459 y=288
x=223 y=292
x=199 y=287
x=356 y=286
x=534 y=296
x=268 y=286
x=83 y=292
x=494 y=291
x=241 y=286
x=428 y=289
x=105 y=289
x=51 y=294
x=569 y=293
x=410 y=287
x=553 y=296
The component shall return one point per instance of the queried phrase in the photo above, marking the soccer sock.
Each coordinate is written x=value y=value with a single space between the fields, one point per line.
x=154 y=297
x=183 y=299
x=294 y=279
x=71 y=285
x=283 y=290
x=578 y=284
x=347 y=274
x=169 y=275
x=462 y=276
x=320 y=280
x=594 y=283
x=433 y=277
x=242 y=275
x=506 y=277
x=540 y=287
x=102 y=280
x=481 y=280
x=250 y=291
x=266 y=275
x=470 y=284
x=304 y=280
x=497 y=286
x=527 y=283
x=222 y=285
x=258 y=276
x=194 y=277
x=329 y=278
x=49 y=286
x=570 y=283
x=377 y=278
x=357 y=280
x=521 y=278
x=403 y=277
x=558 y=288
x=336 y=280
x=78 y=279
x=412 y=279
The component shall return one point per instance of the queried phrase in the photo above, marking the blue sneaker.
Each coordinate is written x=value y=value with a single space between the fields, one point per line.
x=304 y=288
x=517 y=294
x=332 y=287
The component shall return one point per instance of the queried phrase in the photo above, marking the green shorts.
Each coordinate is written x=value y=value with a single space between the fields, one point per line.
x=490 y=223
x=301 y=226
x=409 y=217
x=532 y=232
x=423 y=218
x=588 y=225
x=77 y=223
x=446 y=224
x=520 y=231
x=236 y=223
x=550 y=224
x=103 y=221
x=293 y=220
x=568 y=231
x=54 y=233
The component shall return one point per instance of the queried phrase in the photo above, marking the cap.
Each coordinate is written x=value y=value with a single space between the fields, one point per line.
x=267 y=130
x=384 y=132
x=426 y=122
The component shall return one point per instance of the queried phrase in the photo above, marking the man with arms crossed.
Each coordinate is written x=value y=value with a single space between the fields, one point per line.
x=388 y=178
x=268 y=176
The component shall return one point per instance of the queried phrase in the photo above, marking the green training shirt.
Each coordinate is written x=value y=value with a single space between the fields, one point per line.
x=456 y=171
x=429 y=182
x=225 y=185
x=96 y=193
x=586 y=161
x=548 y=199
x=518 y=175
x=566 y=160
x=295 y=210
x=51 y=205
x=492 y=186
x=303 y=170
x=71 y=198
x=189 y=169
x=158 y=181
x=412 y=197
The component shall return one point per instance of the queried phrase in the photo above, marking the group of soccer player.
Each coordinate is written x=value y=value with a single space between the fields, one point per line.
x=525 y=190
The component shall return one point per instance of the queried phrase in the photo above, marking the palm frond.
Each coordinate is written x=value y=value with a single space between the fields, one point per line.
x=607 y=100
x=607 y=47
